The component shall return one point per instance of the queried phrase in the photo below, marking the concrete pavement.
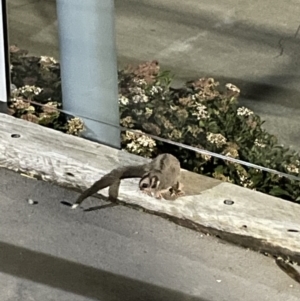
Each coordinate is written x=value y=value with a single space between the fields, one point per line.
x=49 y=252
x=253 y=44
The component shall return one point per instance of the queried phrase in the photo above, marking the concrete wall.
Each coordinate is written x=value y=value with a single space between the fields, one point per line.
x=254 y=45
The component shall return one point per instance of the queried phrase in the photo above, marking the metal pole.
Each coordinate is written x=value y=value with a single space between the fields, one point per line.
x=4 y=59
x=89 y=65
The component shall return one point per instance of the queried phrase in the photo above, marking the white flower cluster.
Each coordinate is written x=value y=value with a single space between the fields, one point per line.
x=244 y=112
x=139 y=81
x=139 y=96
x=292 y=168
x=206 y=157
x=47 y=60
x=194 y=97
x=245 y=182
x=127 y=122
x=140 y=144
x=233 y=88
x=20 y=104
x=146 y=141
x=75 y=126
x=217 y=139
x=231 y=152
x=50 y=107
x=259 y=143
x=30 y=89
x=201 y=112
x=123 y=100
x=148 y=112
x=155 y=90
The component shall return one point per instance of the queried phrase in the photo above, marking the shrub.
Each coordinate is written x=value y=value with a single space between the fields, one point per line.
x=201 y=114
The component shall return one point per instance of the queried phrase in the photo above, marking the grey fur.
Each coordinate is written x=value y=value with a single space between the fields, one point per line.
x=165 y=168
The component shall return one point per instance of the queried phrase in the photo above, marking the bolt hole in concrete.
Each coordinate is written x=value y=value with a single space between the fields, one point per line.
x=32 y=202
x=292 y=230
x=244 y=226
x=15 y=136
x=228 y=202
x=65 y=203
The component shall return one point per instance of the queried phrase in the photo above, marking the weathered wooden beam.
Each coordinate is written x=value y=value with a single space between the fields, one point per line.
x=254 y=220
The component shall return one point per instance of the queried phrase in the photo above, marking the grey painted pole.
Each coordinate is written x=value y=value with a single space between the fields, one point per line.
x=89 y=66
x=4 y=58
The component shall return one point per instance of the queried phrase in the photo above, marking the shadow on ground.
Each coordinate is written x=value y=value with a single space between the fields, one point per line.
x=80 y=279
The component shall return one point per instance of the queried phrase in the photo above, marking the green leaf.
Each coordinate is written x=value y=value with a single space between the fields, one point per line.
x=219 y=169
x=256 y=179
x=278 y=191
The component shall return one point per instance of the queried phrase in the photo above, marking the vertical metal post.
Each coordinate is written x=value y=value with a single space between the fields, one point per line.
x=4 y=59
x=89 y=66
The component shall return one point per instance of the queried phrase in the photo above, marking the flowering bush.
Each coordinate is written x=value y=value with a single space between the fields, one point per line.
x=38 y=80
x=201 y=114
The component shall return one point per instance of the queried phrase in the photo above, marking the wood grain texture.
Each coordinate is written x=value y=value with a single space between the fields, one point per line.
x=75 y=162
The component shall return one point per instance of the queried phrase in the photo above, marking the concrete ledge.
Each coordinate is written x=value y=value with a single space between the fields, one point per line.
x=254 y=220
